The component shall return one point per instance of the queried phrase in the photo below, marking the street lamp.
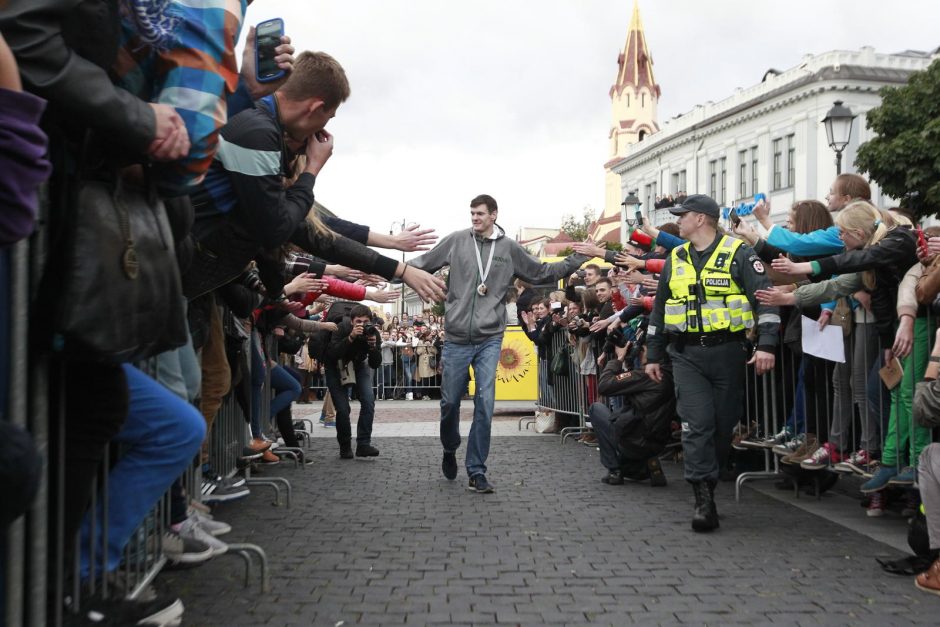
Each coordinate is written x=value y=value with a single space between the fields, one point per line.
x=838 y=123
x=631 y=202
x=402 y=225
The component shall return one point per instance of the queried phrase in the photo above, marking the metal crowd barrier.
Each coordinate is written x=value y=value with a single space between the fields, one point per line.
x=568 y=393
x=771 y=404
x=26 y=578
x=389 y=382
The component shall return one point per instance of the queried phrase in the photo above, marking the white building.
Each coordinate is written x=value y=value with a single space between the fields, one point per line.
x=768 y=137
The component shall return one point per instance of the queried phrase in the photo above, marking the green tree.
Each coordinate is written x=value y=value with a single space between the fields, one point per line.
x=578 y=228
x=904 y=158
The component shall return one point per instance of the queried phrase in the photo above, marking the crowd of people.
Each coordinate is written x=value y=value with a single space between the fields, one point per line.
x=660 y=343
x=178 y=201
x=668 y=200
x=187 y=256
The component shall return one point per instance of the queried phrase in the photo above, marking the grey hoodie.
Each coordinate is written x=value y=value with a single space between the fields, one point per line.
x=471 y=318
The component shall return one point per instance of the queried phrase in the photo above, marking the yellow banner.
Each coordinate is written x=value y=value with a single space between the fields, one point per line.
x=517 y=376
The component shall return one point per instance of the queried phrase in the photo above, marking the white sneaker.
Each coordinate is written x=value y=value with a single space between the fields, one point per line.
x=209 y=524
x=409 y=396
x=191 y=529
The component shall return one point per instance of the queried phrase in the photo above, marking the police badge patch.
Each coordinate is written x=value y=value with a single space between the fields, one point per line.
x=758 y=266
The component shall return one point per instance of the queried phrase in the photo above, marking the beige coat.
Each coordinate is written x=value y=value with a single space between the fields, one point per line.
x=424 y=352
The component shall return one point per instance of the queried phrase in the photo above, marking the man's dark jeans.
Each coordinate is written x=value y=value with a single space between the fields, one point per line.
x=341 y=402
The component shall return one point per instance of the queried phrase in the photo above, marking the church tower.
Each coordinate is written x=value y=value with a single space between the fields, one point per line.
x=633 y=100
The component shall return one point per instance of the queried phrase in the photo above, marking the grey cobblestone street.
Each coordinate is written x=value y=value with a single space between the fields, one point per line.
x=392 y=542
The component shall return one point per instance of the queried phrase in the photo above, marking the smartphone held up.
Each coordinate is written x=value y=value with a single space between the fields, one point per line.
x=267 y=38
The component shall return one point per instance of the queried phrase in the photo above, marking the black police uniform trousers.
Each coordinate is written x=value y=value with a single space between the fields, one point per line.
x=709 y=400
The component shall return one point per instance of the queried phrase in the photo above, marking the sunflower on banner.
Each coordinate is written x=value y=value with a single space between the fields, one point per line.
x=516 y=372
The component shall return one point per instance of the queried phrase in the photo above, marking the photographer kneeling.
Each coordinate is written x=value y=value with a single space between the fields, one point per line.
x=631 y=437
x=356 y=342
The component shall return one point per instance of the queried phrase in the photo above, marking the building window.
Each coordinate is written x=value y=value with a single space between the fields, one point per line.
x=742 y=174
x=754 y=188
x=791 y=162
x=682 y=188
x=778 y=163
x=628 y=99
x=723 y=180
x=712 y=178
x=675 y=183
x=643 y=99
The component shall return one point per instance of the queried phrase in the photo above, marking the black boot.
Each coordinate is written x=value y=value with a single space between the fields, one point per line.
x=614 y=477
x=705 y=516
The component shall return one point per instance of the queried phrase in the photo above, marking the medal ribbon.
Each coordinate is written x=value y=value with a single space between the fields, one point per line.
x=489 y=262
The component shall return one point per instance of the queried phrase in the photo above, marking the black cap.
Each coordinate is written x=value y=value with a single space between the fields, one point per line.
x=700 y=203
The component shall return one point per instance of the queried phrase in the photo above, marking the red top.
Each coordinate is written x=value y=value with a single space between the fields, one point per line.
x=339 y=289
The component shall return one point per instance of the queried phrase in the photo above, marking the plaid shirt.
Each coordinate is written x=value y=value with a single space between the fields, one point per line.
x=194 y=74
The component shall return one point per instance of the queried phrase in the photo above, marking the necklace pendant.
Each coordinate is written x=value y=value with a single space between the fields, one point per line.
x=481 y=289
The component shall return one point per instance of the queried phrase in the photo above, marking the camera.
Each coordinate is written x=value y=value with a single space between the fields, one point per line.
x=252 y=280
x=555 y=306
x=614 y=340
x=581 y=273
x=296 y=264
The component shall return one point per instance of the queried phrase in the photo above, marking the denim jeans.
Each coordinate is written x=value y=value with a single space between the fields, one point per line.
x=458 y=358
x=161 y=436
x=408 y=373
x=341 y=402
x=600 y=416
x=386 y=380
x=286 y=389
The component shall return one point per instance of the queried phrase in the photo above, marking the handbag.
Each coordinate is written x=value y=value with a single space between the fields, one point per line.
x=545 y=422
x=347 y=373
x=842 y=317
x=561 y=362
x=117 y=292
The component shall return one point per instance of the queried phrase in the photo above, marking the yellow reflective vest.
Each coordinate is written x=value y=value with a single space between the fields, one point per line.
x=709 y=302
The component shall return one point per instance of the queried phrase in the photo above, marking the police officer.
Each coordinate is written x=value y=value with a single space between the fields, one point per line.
x=704 y=305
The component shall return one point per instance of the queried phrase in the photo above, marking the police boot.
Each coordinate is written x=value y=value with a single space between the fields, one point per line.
x=705 y=516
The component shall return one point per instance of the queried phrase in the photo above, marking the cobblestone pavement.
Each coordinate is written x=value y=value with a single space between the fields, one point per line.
x=391 y=541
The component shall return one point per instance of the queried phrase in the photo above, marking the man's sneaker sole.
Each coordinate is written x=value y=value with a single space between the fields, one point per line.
x=487 y=490
x=170 y=616
x=745 y=445
x=854 y=468
x=212 y=497
x=478 y=491
x=845 y=468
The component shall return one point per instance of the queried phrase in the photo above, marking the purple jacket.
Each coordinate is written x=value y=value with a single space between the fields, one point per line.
x=23 y=163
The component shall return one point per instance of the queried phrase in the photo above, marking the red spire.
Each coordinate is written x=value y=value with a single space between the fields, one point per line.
x=635 y=64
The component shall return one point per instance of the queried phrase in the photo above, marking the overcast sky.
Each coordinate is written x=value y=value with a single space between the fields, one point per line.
x=451 y=99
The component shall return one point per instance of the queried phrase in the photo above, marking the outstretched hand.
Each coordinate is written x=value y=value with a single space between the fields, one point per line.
x=629 y=261
x=775 y=297
x=428 y=287
x=382 y=296
x=413 y=238
x=784 y=265
x=589 y=248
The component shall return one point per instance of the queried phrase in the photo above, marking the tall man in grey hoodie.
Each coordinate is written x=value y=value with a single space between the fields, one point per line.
x=483 y=263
